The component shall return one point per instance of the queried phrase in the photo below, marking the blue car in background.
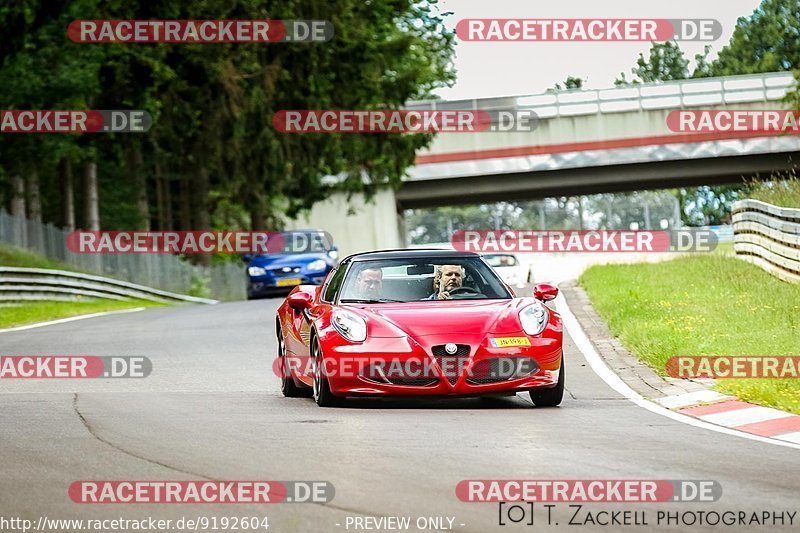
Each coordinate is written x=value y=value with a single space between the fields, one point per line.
x=307 y=258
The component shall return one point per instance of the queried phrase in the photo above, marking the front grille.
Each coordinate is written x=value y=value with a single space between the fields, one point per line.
x=462 y=350
x=283 y=271
x=413 y=382
x=452 y=365
x=410 y=374
x=500 y=369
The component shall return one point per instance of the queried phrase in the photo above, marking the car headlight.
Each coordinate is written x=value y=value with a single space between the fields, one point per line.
x=534 y=318
x=319 y=264
x=256 y=271
x=349 y=325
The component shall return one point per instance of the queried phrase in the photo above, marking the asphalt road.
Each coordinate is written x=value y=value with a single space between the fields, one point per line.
x=212 y=409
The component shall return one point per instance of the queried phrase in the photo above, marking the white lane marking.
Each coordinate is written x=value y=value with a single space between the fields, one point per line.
x=615 y=382
x=678 y=401
x=748 y=415
x=70 y=319
x=791 y=437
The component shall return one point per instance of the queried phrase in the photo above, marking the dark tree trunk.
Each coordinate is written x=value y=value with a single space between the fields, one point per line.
x=18 y=196
x=161 y=222
x=34 y=197
x=67 y=195
x=186 y=202
x=139 y=179
x=200 y=204
x=257 y=221
x=91 y=197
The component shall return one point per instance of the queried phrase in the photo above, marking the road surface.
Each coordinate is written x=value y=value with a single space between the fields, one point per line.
x=212 y=409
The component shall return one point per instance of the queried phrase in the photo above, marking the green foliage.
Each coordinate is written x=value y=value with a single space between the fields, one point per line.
x=212 y=105
x=781 y=189
x=665 y=62
x=766 y=41
x=571 y=82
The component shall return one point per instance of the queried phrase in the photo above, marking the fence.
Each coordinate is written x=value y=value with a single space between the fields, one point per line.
x=768 y=236
x=225 y=281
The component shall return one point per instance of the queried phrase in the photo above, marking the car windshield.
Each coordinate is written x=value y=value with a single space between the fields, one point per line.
x=429 y=278
x=500 y=260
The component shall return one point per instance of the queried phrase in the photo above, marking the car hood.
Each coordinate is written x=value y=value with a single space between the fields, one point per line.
x=279 y=260
x=468 y=318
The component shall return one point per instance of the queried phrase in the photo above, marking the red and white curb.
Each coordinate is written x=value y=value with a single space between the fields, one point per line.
x=753 y=419
x=789 y=439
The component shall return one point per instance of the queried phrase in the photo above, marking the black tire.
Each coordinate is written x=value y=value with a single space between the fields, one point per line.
x=550 y=397
x=321 y=391
x=288 y=386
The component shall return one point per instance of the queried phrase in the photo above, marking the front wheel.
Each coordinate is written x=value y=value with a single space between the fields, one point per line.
x=550 y=397
x=288 y=387
x=321 y=389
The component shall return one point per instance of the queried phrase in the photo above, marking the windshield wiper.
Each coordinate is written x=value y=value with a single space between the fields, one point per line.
x=368 y=300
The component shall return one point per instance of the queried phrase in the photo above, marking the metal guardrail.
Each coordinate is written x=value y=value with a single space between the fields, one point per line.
x=167 y=272
x=698 y=92
x=44 y=284
x=768 y=236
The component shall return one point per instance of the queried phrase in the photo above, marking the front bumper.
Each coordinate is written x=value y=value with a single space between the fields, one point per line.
x=268 y=285
x=448 y=379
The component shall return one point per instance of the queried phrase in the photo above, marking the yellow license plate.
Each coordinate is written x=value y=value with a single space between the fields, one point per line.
x=504 y=342
x=288 y=282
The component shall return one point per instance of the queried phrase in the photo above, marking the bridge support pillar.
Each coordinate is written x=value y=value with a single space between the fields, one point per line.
x=357 y=225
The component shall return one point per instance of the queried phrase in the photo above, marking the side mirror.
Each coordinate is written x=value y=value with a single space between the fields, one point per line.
x=333 y=253
x=545 y=292
x=247 y=257
x=299 y=300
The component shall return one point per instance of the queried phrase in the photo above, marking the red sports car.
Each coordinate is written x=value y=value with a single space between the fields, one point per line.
x=418 y=323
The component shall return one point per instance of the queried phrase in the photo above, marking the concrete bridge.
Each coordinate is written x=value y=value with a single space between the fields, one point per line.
x=585 y=142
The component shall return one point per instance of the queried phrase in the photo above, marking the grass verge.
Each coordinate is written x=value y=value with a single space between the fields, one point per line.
x=18 y=314
x=712 y=304
x=12 y=256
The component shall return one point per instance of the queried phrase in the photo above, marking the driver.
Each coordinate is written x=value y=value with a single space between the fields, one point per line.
x=369 y=283
x=447 y=278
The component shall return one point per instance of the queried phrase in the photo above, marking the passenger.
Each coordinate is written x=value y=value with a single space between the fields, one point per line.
x=369 y=284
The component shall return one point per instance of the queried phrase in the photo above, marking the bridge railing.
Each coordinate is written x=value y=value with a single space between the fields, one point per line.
x=768 y=236
x=642 y=97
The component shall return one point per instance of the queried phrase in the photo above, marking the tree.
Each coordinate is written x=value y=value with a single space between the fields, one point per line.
x=212 y=154
x=571 y=82
x=665 y=62
x=766 y=41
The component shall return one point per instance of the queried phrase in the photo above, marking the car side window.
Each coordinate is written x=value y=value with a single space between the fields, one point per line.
x=335 y=283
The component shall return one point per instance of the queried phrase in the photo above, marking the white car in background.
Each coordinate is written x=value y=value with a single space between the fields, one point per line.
x=510 y=269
